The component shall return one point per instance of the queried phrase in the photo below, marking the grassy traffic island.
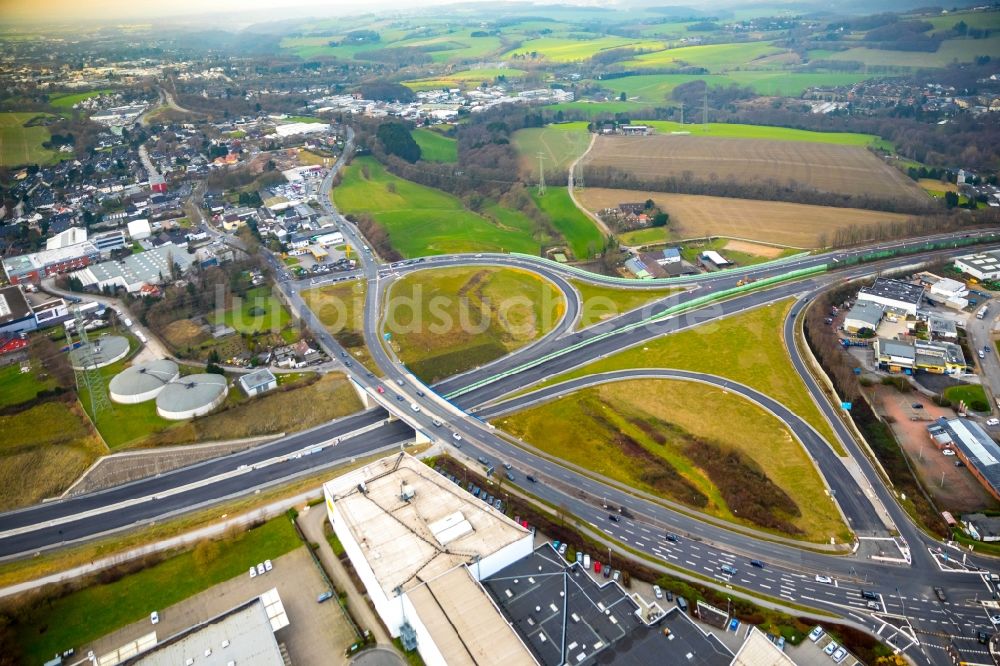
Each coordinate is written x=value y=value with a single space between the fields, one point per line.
x=742 y=465
x=600 y=302
x=441 y=322
x=341 y=310
x=746 y=348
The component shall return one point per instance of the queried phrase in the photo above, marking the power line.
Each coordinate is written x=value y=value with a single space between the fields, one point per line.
x=89 y=374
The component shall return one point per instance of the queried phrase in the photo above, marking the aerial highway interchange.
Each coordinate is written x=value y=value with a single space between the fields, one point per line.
x=910 y=563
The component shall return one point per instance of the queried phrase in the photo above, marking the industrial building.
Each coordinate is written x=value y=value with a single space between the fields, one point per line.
x=421 y=545
x=863 y=314
x=71 y=236
x=16 y=315
x=973 y=446
x=35 y=266
x=984 y=266
x=939 y=357
x=257 y=382
x=903 y=297
x=134 y=271
x=291 y=129
x=242 y=635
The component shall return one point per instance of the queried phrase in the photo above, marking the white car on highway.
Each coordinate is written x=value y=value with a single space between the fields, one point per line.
x=823 y=579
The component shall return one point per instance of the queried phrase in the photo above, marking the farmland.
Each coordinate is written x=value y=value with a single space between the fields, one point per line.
x=445 y=321
x=580 y=232
x=67 y=100
x=713 y=57
x=560 y=144
x=468 y=78
x=565 y=49
x=421 y=220
x=765 y=132
x=850 y=171
x=695 y=216
x=20 y=145
x=653 y=435
x=950 y=50
x=435 y=147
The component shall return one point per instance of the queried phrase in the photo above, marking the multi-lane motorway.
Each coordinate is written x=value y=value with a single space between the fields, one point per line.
x=906 y=609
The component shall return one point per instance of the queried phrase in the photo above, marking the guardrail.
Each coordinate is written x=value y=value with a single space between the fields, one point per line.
x=670 y=311
x=676 y=280
x=942 y=244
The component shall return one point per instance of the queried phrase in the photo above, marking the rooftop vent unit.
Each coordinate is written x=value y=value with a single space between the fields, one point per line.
x=406 y=492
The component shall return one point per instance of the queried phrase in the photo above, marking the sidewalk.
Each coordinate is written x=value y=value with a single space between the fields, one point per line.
x=311 y=523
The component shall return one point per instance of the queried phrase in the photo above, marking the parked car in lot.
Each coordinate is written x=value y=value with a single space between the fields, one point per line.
x=657 y=592
x=597 y=567
x=267 y=565
x=154 y=618
x=816 y=634
x=830 y=648
x=993 y=421
x=839 y=655
x=947 y=452
x=616 y=575
x=323 y=597
x=607 y=571
x=253 y=572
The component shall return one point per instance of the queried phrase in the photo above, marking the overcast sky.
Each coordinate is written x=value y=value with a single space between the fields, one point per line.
x=61 y=10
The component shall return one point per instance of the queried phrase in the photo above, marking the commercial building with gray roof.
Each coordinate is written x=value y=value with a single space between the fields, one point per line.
x=902 y=296
x=134 y=271
x=975 y=448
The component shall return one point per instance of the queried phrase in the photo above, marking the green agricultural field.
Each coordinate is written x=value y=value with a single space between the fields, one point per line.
x=564 y=49
x=594 y=109
x=67 y=100
x=81 y=617
x=951 y=50
x=989 y=20
x=20 y=145
x=649 y=236
x=304 y=119
x=421 y=220
x=257 y=312
x=17 y=387
x=791 y=84
x=560 y=144
x=434 y=147
x=737 y=131
x=972 y=395
x=652 y=435
x=743 y=347
x=600 y=302
x=713 y=57
x=448 y=320
x=45 y=448
x=580 y=232
x=468 y=78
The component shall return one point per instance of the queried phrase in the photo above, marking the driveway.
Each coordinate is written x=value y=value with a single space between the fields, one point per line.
x=981 y=335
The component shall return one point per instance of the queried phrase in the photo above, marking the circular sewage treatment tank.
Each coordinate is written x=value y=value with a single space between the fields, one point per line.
x=191 y=396
x=103 y=351
x=142 y=382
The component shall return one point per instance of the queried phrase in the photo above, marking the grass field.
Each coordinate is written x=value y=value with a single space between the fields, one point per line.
x=82 y=616
x=744 y=347
x=564 y=49
x=341 y=308
x=468 y=78
x=694 y=216
x=973 y=395
x=766 y=132
x=421 y=220
x=642 y=433
x=713 y=57
x=950 y=50
x=445 y=321
x=935 y=186
x=257 y=312
x=593 y=109
x=67 y=100
x=44 y=449
x=648 y=236
x=560 y=144
x=842 y=169
x=740 y=253
x=600 y=302
x=17 y=387
x=20 y=145
x=580 y=232
x=434 y=147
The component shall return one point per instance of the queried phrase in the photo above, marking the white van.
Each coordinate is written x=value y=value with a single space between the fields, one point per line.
x=586 y=562
x=414 y=406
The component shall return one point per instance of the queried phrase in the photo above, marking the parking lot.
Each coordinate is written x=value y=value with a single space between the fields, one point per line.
x=317 y=634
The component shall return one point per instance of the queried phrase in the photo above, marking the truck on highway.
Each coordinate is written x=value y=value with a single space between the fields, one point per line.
x=982 y=312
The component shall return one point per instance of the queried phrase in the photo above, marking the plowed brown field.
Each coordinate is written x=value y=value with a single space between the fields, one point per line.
x=826 y=167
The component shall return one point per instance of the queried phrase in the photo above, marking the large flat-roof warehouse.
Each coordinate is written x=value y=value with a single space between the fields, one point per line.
x=974 y=446
x=420 y=545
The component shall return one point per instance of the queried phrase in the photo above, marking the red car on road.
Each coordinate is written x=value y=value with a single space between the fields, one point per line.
x=380 y=389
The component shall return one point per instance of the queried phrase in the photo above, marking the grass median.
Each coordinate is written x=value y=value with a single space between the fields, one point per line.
x=746 y=348
x=600 y=302
x=445 y=321
x=741 y=464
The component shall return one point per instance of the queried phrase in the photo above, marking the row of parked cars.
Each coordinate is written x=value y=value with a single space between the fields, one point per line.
x=836 y=652
x=476 y=491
